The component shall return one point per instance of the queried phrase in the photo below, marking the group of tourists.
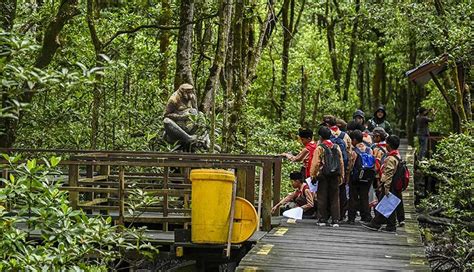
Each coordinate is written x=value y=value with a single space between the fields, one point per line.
x=348 y=169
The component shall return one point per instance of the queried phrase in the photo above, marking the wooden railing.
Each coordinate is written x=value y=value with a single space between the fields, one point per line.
x=102 y=181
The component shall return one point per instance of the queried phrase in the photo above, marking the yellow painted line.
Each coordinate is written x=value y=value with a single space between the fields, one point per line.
x=291 y=221
x=416 y=259
x=265 y=249
x=280 y=231
x=250 y=269
x=410 y=230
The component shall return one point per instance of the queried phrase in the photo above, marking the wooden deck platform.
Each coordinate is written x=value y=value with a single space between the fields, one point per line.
x=304 y=246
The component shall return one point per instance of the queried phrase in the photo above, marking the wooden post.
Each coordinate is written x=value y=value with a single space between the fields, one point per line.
x=73 y=182
x=166 y=173
x=5 y=176
x=241 y=182
x=267 y=196
x=231 y=219
x=250 y=186
x=121 y=195
x=89 y=174
x=276 y=182
x=104 y=170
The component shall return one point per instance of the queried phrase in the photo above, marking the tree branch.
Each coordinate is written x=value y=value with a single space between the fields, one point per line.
x=161 y=27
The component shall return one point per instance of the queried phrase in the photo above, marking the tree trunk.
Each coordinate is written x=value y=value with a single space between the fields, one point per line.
x=352 y=52
x=284 y=56
x=67 y=10
x=7 y=14
x=304 y=88
x=401 y=105
x=184 y=50
x=459 y=96
x=225 y=14
x=247 y=61
x=237 y=72
x=383 y=85
x=314 y=118
x=96 y=91
x=411 y=94
x=333 y=56
x=377 y=79
x=164 y=36
x=360 y=84
x=289 y=29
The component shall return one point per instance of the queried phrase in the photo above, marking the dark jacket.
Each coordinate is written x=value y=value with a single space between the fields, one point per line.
x=379 y=122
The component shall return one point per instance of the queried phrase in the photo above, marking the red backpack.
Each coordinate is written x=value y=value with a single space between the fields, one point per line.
x=402 y=176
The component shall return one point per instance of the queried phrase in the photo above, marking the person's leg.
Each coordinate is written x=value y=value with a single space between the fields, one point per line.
x=352 y=201
x=343 y=201
x=423 y=146
x=333 y=191
x=400 y=209
x=322 y=199
x=364 y=202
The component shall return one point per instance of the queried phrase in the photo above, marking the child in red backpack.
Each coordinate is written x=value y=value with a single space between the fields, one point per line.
x=387 y=186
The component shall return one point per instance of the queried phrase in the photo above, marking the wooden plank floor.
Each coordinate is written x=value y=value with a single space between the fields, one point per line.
x=304 y=246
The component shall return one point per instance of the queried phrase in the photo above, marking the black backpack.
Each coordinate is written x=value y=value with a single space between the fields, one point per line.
x=332 y=164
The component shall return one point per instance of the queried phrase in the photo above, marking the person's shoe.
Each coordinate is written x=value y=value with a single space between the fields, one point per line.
x=321 y=223
x=335 y=224
x=370 y=226
x=389 y=229
x=401 y=224
x=350 y=222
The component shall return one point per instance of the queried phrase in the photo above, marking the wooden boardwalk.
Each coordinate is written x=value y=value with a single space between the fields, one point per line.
x=302 y=245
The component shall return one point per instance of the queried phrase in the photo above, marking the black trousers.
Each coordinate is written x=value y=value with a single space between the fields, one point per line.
x=400 y=210
x=359 y=198
x=391 y=221
x=343 y=201
x=328 y=198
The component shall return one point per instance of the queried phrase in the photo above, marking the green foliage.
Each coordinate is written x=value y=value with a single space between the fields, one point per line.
x=452 y=167
x=34 y=206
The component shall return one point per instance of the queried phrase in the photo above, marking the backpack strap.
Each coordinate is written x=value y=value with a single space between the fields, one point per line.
x=341 y=135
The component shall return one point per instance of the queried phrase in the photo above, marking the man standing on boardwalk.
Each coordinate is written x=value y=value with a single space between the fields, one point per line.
x=328 y=168
x=422 y=122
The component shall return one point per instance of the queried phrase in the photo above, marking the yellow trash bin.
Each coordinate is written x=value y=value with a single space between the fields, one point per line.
x=211 y=200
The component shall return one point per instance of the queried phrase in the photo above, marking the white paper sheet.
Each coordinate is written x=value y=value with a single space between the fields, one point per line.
x=312 y=187
x=388 y=204
x=295 y=213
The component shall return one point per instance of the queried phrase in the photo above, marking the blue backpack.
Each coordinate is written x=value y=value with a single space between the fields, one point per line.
x=339 y=140
x=364 y=166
